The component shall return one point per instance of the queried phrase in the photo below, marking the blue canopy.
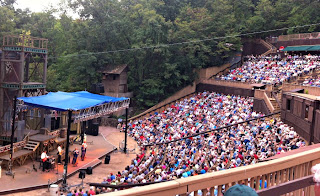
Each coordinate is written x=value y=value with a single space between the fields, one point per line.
x=62 y=101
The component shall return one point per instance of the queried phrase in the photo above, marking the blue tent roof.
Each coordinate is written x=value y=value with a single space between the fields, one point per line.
x=63 y=101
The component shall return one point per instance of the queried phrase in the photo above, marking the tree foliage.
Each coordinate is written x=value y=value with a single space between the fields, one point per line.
x=146 y=35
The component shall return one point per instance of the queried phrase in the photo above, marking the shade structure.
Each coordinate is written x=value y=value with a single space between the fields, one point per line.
x=296 y=48
x=89 y=105
x=63 y=101
x=302 y=48
x=314 y=48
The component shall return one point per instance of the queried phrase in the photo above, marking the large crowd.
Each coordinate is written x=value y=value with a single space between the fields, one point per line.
x=186 y=139
x=218 y=149
x=312 y=81
x=173 y=147
x=272 y=69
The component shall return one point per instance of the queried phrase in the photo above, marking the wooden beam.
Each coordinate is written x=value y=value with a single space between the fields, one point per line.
x=287 y=187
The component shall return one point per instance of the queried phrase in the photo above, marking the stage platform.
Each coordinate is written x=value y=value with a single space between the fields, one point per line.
x=41 y=138
x=19 y=157
x=26 y=179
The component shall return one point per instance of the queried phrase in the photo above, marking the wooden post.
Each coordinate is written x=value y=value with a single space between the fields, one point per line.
x=12 y=131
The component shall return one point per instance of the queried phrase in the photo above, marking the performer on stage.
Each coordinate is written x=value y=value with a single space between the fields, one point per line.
x=75 y=156
x=83 y=150
x=59 y=154
x=45 y=161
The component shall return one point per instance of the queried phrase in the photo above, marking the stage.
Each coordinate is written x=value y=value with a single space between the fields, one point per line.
x=26 y=178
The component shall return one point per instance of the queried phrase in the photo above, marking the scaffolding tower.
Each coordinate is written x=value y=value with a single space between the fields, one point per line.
x=23 y=72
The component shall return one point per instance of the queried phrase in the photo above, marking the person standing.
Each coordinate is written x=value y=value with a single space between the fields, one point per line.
x=59 y=154
x=83 y=150
x=75 y=157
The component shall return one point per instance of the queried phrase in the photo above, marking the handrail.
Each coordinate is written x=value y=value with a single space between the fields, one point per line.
x=155 y=109
x=27 y=136
x=217 y=129
x=231 y=65
x=276 y=98
x=274 y=172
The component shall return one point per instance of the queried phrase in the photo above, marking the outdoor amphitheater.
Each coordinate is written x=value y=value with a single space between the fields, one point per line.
x=253 y=121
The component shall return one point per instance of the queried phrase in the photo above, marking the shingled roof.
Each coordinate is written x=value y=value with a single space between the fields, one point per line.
x=116 y=69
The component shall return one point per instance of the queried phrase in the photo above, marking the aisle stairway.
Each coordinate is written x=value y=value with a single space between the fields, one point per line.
x=31 y=145
x=275 y=104
x=272 y=49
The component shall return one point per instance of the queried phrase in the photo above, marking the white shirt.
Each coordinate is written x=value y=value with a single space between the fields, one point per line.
x=59 y=150
x=44 y=155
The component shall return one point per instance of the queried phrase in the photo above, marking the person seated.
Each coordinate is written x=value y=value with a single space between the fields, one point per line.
x=45 y=161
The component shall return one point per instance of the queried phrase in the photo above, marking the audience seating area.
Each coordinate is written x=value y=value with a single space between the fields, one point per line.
x=272 y=69
x=240 y=145
x=170 y=150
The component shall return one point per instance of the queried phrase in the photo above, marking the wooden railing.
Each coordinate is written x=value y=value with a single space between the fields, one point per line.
x=229 y=83
x=275 y=94
x=315 y=35
x=272 y=173
x=159 y=108
x=16 y=146
x=25 y=41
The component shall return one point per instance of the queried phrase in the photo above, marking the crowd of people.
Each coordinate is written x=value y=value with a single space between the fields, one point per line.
x=312 y=81
x=216 y=149
x=82 y=192
x=186 y=139
x=272 y=69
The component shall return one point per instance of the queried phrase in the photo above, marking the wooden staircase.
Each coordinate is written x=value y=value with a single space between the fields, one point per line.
x=31 y=145
x=275 y=104
x=272 y=49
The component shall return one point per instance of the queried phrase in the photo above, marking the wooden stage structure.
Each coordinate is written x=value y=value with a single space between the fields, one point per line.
x=32 y=147
x=18 y=157
x=22 y=182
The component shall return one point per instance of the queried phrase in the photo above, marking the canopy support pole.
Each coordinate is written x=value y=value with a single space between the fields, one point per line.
x=66 y=161
x=82 y=127
x=125 y=132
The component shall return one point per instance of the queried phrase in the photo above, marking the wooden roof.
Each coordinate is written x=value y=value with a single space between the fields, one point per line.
x=116 y=69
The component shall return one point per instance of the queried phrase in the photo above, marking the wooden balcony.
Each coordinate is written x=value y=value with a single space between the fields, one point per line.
x=16 y=42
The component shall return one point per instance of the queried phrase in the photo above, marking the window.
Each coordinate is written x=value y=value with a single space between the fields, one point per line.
x=306 y=112
x=114 y=77
x=288 y=104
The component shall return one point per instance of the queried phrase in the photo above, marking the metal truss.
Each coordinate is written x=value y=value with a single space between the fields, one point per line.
x=100 y=110
x=88 y=113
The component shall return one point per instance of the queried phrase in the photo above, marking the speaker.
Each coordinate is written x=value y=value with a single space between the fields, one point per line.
x=95 y=129
x=107 y=159
x=82 y=174
x=89 y=170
